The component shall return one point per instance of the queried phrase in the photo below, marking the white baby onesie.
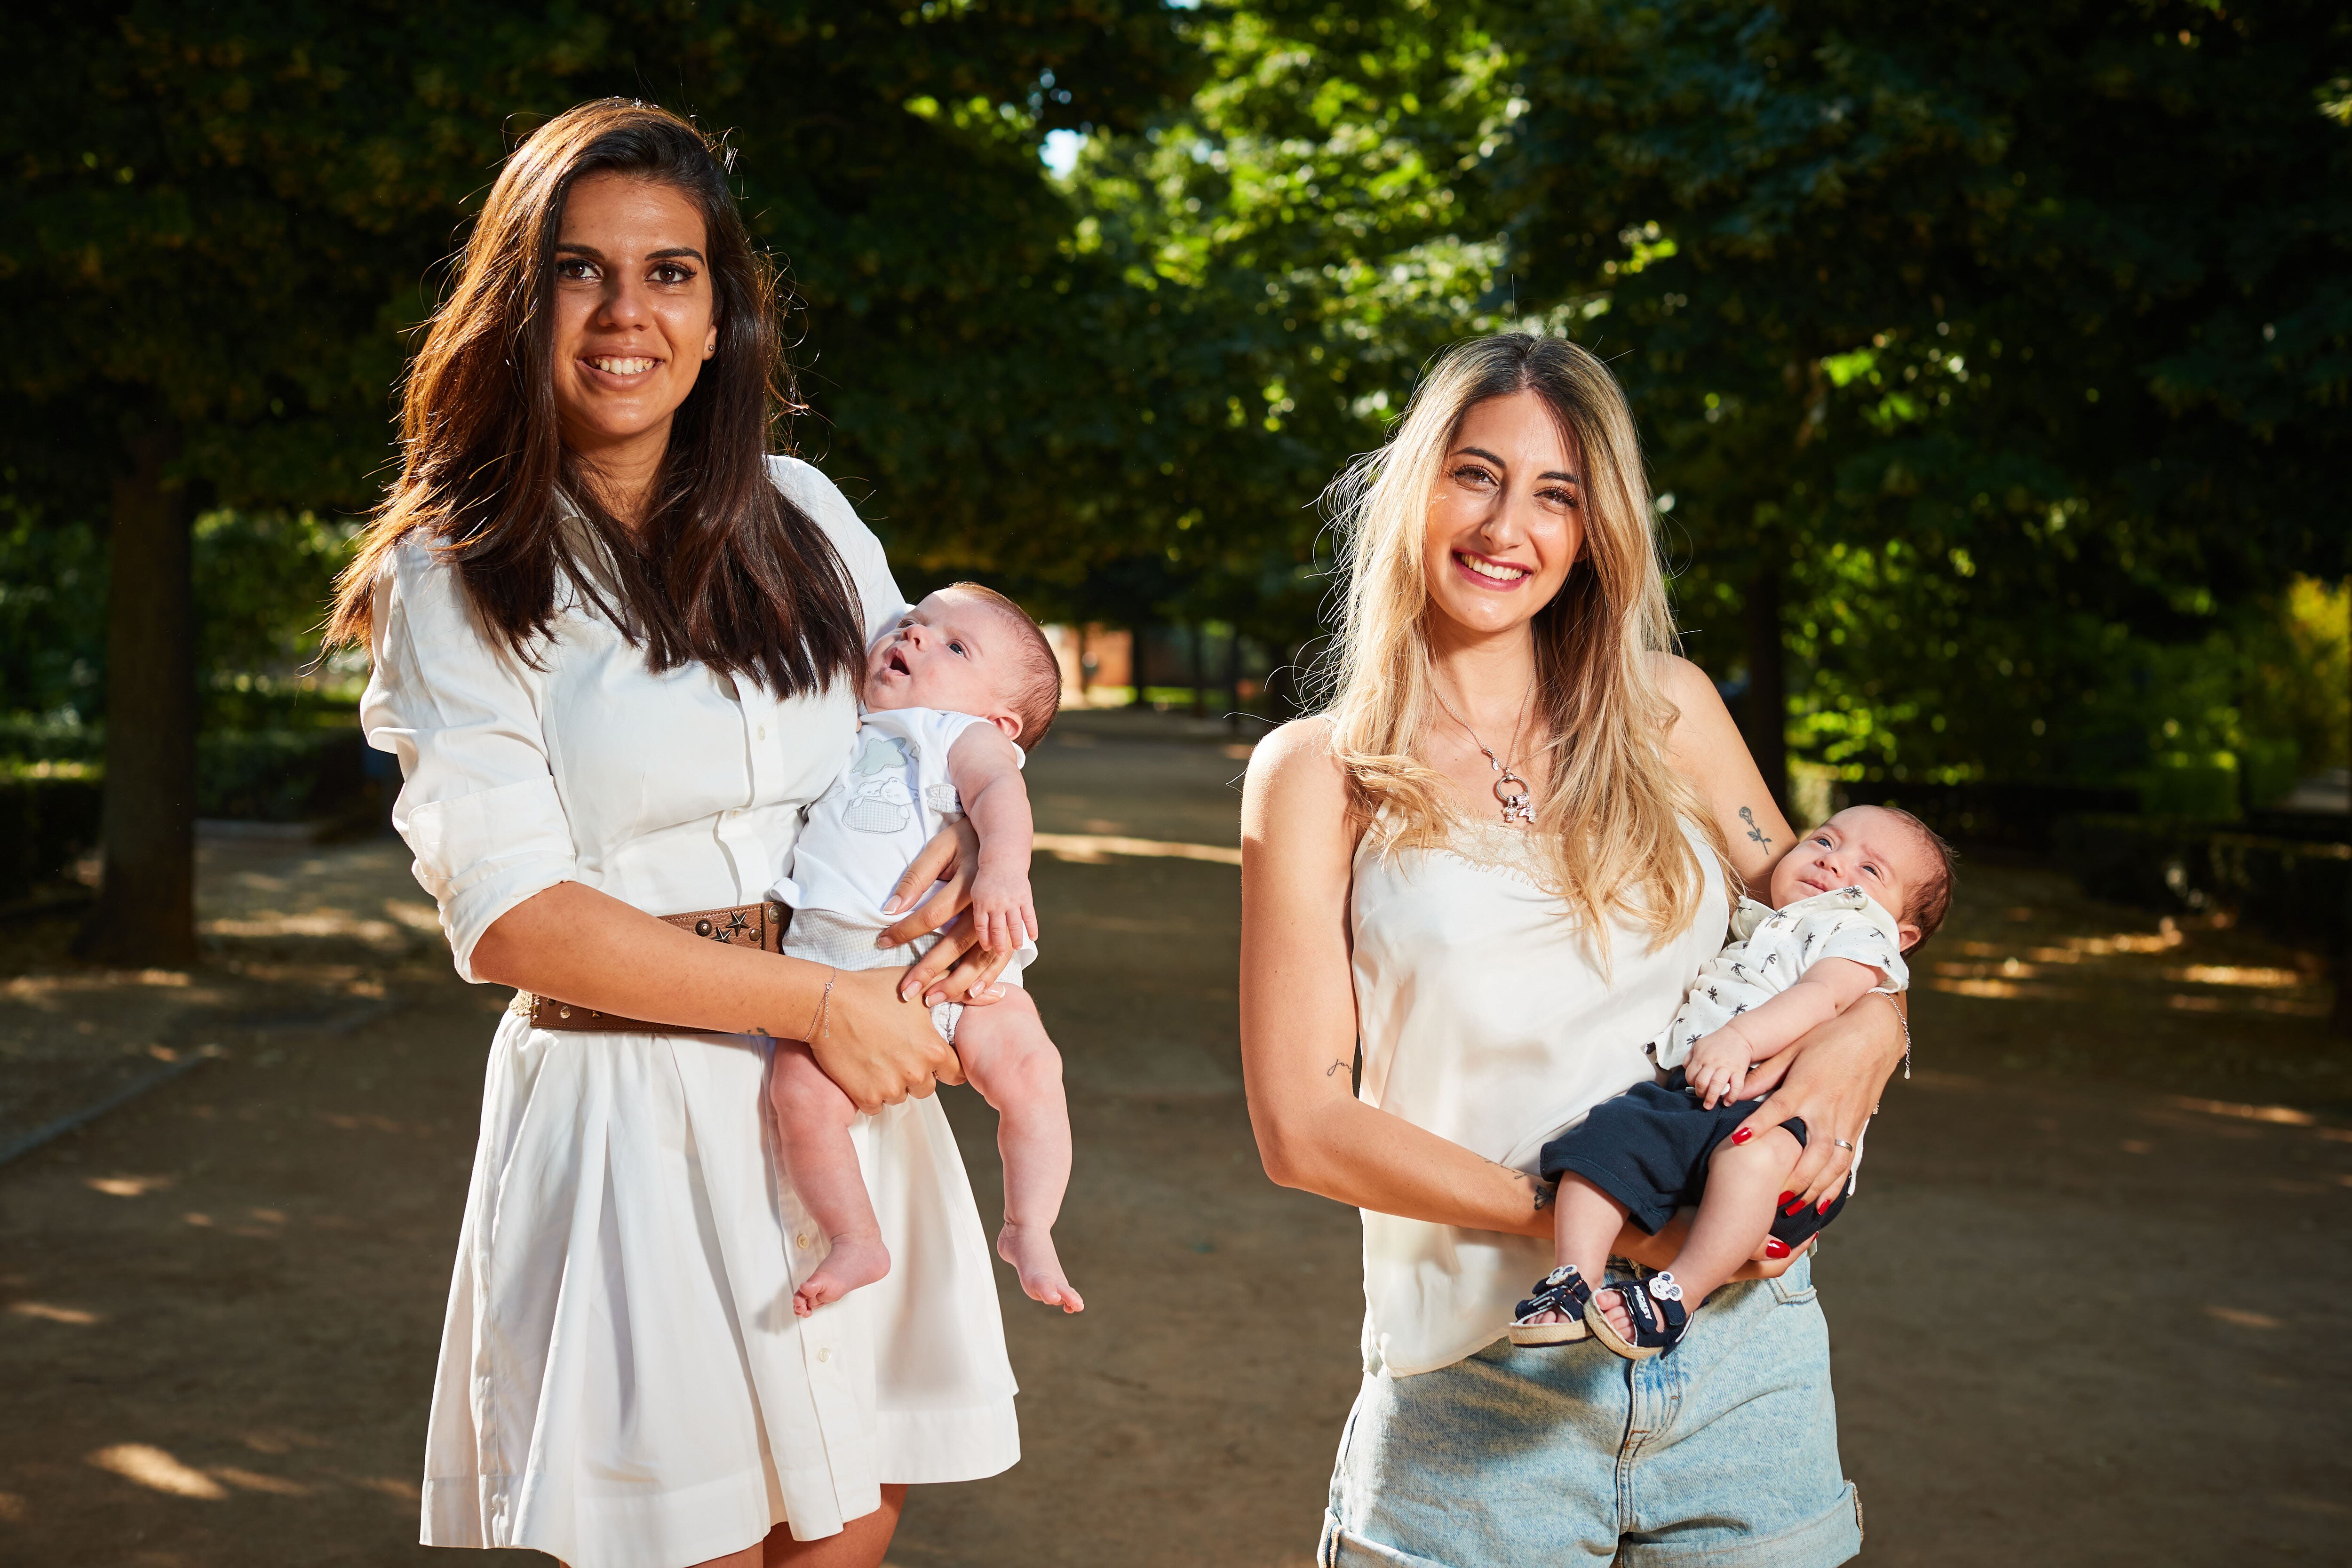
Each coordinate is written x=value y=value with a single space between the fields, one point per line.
x=863 y=832
x=1770 y=949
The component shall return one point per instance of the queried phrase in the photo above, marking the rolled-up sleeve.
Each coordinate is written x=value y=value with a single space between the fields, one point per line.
x=479 y=806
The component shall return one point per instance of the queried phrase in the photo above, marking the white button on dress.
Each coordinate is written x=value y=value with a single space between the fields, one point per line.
x=623 y=1383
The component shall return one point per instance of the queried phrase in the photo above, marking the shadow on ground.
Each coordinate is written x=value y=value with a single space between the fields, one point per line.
x=2087 y=1309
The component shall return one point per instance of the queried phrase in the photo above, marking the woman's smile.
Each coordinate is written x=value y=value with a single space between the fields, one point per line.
x=1487 y=572
x=620 y=370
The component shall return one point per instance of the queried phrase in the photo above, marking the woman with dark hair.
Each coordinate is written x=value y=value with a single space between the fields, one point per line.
x=615 y=647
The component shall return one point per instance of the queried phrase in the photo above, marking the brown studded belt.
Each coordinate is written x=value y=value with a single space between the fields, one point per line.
x=757 y=925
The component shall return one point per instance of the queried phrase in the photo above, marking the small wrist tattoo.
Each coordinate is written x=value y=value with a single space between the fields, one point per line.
x=1544 y=1195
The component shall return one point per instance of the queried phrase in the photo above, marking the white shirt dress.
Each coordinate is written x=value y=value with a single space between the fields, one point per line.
x=623 y=1383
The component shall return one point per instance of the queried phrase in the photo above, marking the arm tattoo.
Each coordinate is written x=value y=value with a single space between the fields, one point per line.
x=1754 y=832
x=1335 y=1069
x=1545 y=1191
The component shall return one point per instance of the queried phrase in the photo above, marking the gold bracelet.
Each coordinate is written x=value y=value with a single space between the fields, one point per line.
x=1905 y=1026
x=817 y=1026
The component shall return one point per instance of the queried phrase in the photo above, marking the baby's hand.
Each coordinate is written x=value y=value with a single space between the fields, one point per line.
x=1003 y=913
x=1717 y=1068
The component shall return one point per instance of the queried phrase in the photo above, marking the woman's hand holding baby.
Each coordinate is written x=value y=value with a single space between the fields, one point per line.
x=1832 y=1079
x=878 y=1047
x=959 y=968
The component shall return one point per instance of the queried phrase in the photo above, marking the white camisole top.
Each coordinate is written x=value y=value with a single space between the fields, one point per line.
x=1486 y=1016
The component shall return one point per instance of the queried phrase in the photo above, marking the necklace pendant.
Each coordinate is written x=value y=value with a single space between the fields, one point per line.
x=1517 y=800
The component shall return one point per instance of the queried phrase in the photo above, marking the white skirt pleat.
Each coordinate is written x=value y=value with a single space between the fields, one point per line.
x=623 y=1383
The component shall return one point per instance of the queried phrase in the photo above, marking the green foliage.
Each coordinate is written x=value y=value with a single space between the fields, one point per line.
x=2020 y=337
x=248 y=204
x=2017 y=341
x=52 y=614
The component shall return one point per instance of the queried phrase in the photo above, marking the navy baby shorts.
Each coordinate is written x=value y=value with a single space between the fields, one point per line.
x=1648 y=1149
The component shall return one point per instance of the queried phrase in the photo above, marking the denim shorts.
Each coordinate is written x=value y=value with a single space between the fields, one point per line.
x=1723 y=1453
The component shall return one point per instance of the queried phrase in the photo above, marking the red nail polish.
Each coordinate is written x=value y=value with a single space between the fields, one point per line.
x=1792 y=1209
x=1786 y=1198
x=1826 y=1202
x=1776 y=1248
x=1743 y=1135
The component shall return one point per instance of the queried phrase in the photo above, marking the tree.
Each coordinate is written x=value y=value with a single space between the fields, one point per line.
x=2050 y=303
x=224 y=219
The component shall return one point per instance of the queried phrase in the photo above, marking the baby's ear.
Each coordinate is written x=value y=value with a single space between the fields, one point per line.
x=1906 y=935
x=1008 y=725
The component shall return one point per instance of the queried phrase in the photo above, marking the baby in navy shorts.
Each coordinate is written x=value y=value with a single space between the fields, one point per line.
x=1828 y=939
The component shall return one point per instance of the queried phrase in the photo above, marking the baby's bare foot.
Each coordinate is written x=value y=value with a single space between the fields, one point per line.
x=855 y=1260
x=1612 y=1304
x=1029 y=1250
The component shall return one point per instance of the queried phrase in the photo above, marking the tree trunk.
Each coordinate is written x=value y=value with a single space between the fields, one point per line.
x=1765 y=717
x=146 y=913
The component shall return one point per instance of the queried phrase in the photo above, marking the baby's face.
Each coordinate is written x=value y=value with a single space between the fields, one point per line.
x=952 y=652
x=1861 y=846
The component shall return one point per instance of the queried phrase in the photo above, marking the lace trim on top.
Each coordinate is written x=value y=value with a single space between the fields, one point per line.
x=1495 y=847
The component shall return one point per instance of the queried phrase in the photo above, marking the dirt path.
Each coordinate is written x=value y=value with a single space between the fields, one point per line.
x=2089 y=1309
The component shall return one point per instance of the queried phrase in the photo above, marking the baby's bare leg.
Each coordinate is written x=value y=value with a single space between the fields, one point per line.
x=812 y=1119
x=1735 y=1214
x=1585 y=1220
x=1008 y=1057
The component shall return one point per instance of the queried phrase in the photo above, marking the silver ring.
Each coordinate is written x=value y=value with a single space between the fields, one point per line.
x=1842 y=1143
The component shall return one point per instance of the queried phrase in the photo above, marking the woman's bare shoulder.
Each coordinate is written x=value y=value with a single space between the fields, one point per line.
x=1296 y=787
x=1296 y=758
x=1685 y=685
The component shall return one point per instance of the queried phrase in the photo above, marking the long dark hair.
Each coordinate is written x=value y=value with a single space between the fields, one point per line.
x=725 y=569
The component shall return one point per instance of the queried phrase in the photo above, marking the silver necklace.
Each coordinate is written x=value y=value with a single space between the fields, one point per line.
x=1510 y=789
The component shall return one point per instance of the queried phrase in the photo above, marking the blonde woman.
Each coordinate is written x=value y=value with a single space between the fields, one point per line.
x=1493 y=862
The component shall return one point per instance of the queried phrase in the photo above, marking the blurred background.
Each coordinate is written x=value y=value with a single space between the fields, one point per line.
x=1994 y=362
x=1995 y=367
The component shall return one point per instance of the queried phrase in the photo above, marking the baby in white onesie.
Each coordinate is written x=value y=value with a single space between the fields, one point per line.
x=1848 y=903
x=953 y=699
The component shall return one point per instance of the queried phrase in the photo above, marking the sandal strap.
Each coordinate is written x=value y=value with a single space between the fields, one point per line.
x=1656 y=1307
x=1562 y=1290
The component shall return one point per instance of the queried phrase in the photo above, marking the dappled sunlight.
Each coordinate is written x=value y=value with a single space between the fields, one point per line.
x=47 y=1312
x=2277 y=1115
x=1096 y=848
x=49 y=990
x=2236 y=974
x=2242 y=1318
x=128 y=1186
x=2113 y=969
x=316 y=922
x=145 y=1465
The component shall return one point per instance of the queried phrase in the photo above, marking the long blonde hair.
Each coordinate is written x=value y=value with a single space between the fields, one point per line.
x=1609 y=815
